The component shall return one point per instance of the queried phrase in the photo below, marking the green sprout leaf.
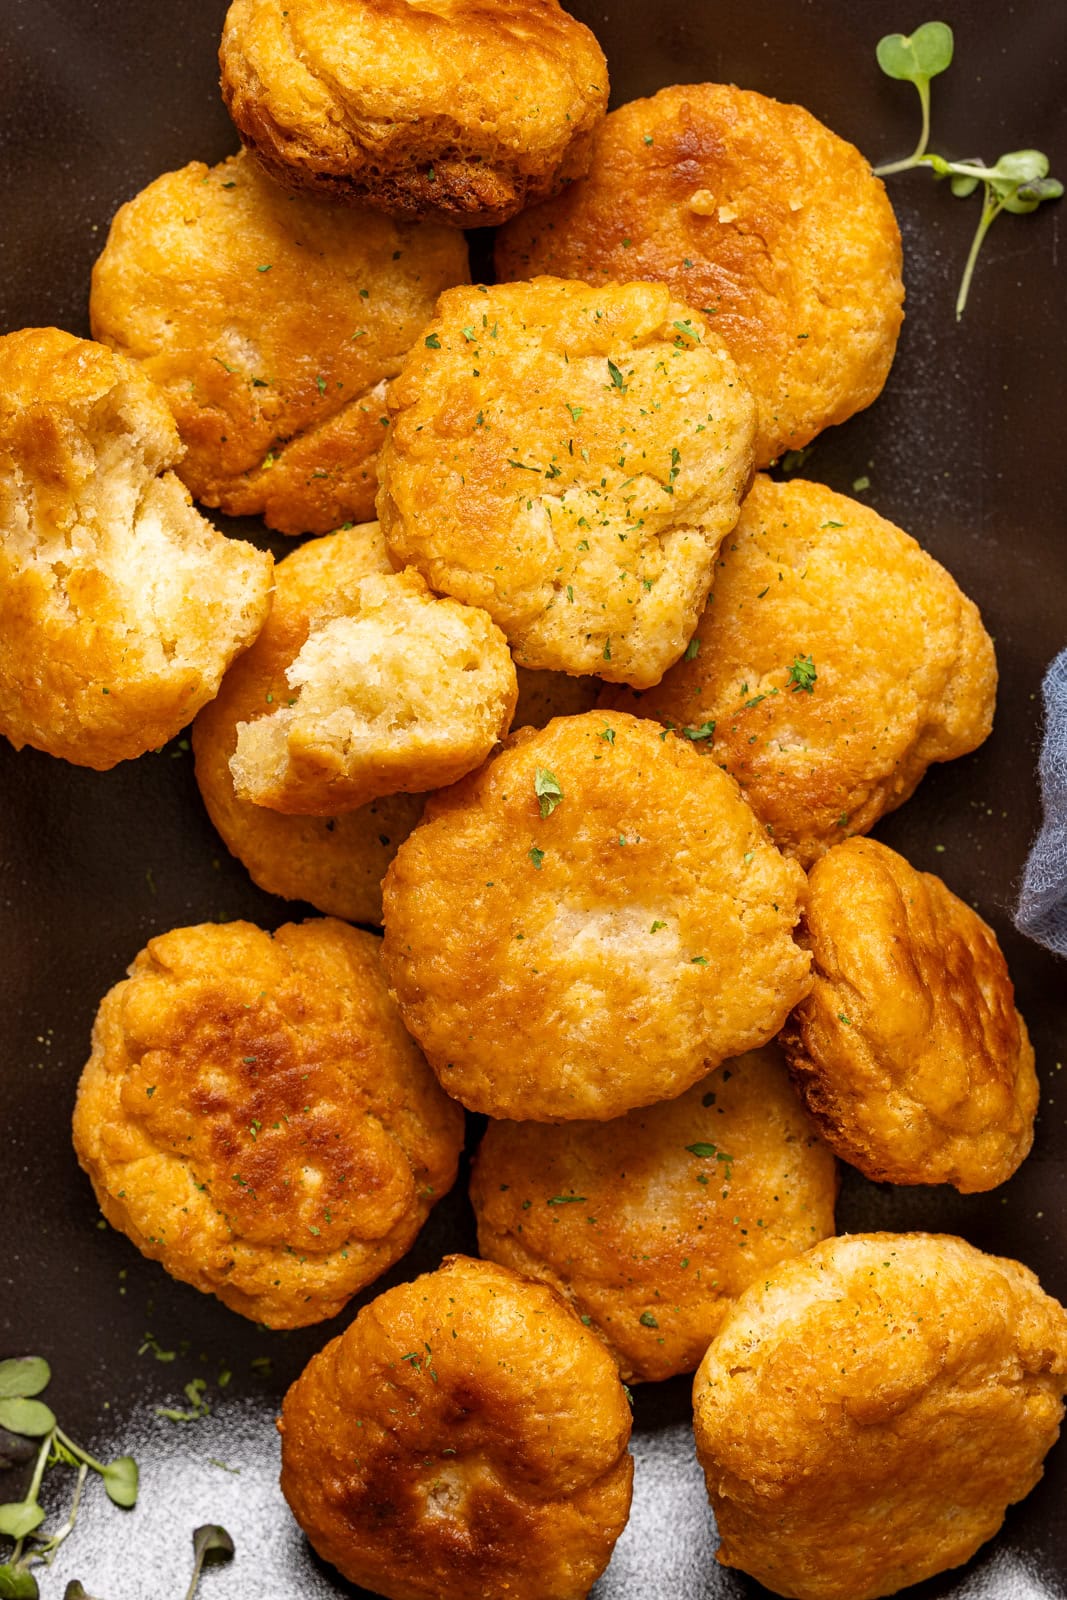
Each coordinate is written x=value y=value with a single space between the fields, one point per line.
x=915 y=58
x=121 y=1478
x=76 y=1590
x=211 y=1543
x=20 y=1518
x=23 y=1376
x=29 y=1417
x=922 y=54
x=17 y=1584
x=547 y=789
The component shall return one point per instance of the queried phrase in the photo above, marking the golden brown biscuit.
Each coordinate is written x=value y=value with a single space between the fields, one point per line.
x=909 y=1051
x=271 y=322
x=759 y=216
x=544 y=695
x=590 y=923
x=393 y=691
x=652 y=1225
x=120 y=607
x=466 y=1436
x=570 y=459
x=254 y=1116
x=865 y=1418
x=460 y=111
x=335 y=863
x=835 y=661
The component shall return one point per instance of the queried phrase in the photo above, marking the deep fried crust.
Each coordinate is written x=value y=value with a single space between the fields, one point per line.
x=462 y=112
x=866 y=1417
x=653 y=1224
x=570 y=459
x=254 y=1116
x=465 y=1437
x=905 y=671
x=271 y=322
x=120 y=607
x=759 y=216
x=334 y=863
x=909 y=1052
x=604 y=955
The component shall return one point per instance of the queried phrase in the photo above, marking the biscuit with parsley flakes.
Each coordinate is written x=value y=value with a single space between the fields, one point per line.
x=570 y=459
x=834 y=662
x=394 y=690
x=865 y=1417
x=589 y=923
x=909 y=1052
x=651 y=1225
x=120 y=606
x=272 y=323
x=465 y=1437
x=752 y=211
x=255 y=1117
x=458 y=111
x=335 y=863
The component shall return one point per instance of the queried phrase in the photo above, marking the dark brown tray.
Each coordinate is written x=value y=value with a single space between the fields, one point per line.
x=964 y=450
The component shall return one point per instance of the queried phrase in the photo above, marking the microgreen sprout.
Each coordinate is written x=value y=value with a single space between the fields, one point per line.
x=24 y=1416
x=1018 y=182
x=915 y=58
x=211 y=1543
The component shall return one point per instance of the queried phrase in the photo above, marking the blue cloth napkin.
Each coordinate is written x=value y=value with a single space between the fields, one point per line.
x=1042 y=908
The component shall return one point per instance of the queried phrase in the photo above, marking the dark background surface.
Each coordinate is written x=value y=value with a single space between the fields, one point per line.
x=965 y=450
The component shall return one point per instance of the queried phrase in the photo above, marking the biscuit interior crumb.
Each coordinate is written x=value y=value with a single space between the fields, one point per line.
x=407 y=676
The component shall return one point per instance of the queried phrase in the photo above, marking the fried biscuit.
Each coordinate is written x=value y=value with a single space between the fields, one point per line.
x=460 y=111
x=465 y=1436
x=570 y=459
x=590 y=923
x=393 y=691
x=334 y=863
x=865 y=1417
x=909 y=1052
x=254 y=1116
x=120 y=607
x=653 y=1224
x=759 y=216
x=271 y=322
x=834 y=662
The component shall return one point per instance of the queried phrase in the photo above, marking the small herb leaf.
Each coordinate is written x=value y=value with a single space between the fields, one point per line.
x=20 y=1518
x=30 y=1417
x=705 y=1151
x=211 y=1543
x=547 y=789
x=922 y=54
x=23 y=1376
x=17 y=1584
x=121 y=1478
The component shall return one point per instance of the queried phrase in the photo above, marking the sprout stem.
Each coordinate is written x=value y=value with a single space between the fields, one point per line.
x=990 y=211
x=76 y=1450
x=923 y=86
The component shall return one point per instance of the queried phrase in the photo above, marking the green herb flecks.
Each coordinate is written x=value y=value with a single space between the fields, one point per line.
x=547 y=789
x=802 y=675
